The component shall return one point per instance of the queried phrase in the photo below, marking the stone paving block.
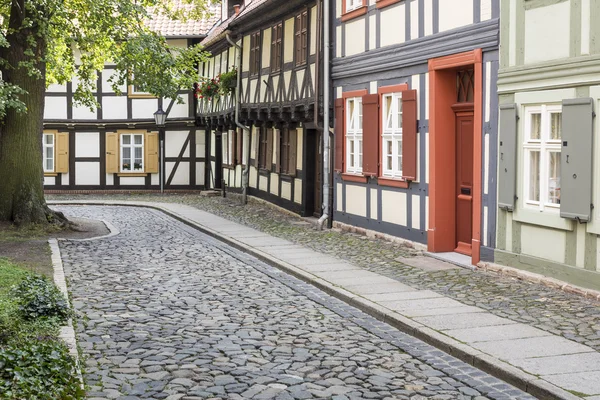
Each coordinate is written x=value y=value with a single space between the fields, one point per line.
x=331 y=275
x=339 y=266
x=308 y=259
x=462 y=321
x=383 y=298
x=580 y=362
x=353 y=281
x=580 y=382
x=494 y=333
x=427 y=312
x=368 y=289
x=427 y=263
x=532 y=347
x=419 y=304
x=268 y=241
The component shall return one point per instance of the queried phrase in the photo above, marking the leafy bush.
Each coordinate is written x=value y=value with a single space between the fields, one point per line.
x=228 y=81
x=38 y=370
x=37 y=297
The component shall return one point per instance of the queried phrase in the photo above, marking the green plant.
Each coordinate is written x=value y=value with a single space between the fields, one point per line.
x=228 y=81
x=37 y=297
x=38 y=370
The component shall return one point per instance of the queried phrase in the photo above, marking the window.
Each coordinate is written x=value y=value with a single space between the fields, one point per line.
x=48 y=144
x=132 y=153
x=353 y=4
x=354 y=135
x=285 y=151
x=134 y=91
x=542 y=147
x=391 y=117
x=276 y=47
x=228 y=146
x=255 y=53
x=301 y=37
x=263 y=150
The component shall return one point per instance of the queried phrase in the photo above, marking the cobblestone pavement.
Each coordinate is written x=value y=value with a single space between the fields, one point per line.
x=552 y=310
x=164 y=311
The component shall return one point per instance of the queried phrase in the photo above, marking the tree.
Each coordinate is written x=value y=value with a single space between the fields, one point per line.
x=52 y=41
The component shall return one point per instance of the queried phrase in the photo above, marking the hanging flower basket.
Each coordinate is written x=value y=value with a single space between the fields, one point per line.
x=208 y=89
x=228 y=81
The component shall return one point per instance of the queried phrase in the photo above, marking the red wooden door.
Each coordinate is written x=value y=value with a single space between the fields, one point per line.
x=464 y=178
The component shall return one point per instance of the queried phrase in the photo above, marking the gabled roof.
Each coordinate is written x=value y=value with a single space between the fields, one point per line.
x=192 y=28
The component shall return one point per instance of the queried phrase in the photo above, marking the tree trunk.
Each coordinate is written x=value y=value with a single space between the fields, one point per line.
x=21 y=172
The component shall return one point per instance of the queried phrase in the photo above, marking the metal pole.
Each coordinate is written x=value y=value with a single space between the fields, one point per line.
x=326 y=143
x=162 y=160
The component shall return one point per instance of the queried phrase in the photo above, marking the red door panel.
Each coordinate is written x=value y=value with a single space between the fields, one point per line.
x=464 y=181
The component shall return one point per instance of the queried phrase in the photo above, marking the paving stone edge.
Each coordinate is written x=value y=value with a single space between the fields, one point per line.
x=492 y=365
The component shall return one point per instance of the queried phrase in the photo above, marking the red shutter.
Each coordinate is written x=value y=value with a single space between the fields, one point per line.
x=339 y=135
x=409 y=135
x=370 y=104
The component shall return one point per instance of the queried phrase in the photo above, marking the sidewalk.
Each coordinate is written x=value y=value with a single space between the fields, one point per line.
x=544 y=363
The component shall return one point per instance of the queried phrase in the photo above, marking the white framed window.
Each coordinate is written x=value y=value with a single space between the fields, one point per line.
x=354 y=132
x=353 y=4
x=132 y=152
x=48 y=143
x=391 y=136
x=227 y=144
x=541 y=153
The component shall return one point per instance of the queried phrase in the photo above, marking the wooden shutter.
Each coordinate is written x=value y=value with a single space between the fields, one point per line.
x=370 y=104
x=112 y=152
x=293 y=146
x=269 y=157
x=409 y=135
x=277 y=137
x=151 y=152
x=62 y=153
x=297 y=38
x=257 y=139
x=339 y=135
x=507 y=160
x=239 y=146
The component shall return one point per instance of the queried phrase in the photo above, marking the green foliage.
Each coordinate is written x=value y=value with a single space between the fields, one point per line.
x=228 y=81
x=37 y=297
x=38 y=370
x=208 y=89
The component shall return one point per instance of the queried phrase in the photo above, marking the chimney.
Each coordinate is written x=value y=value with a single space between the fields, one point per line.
x=236 y=9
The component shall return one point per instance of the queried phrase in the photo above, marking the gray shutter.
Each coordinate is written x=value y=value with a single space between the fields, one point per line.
x=507 y=158
x=576 y=159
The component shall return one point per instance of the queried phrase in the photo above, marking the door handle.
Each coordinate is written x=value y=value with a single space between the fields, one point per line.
x=466 y=191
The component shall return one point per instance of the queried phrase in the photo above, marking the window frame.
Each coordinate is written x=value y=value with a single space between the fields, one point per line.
x=544 y=145
x=132 y=145
x=276 y=47
x=353 y=136
x=301 y=38
x=393 y=134
x=284 y=149
x=354 y=11
x=262 y=149
x=132 y=93
x=44 y=147
x=228 y=138
x=255 y=56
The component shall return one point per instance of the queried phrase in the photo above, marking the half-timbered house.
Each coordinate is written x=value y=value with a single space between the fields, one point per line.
x=415 y=120
x=273 y=46
x=116 y=147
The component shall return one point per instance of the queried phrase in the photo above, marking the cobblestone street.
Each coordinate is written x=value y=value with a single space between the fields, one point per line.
x=164 y=311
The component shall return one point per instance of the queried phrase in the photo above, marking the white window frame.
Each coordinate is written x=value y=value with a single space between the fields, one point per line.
x=545 y=145
x=227 y=138
x=391 y=132
x=132 y=145
x=352 y=5
x=354 y=136
x=45 y=156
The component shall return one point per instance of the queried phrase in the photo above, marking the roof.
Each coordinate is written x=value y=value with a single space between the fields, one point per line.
x=216 y=33
x=192 y=28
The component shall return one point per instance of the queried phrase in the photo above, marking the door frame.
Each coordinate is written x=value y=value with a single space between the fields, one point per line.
x=441 y=233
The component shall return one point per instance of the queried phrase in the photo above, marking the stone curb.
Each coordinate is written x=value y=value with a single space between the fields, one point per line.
x=111 y=228
x=492 y=365
x=67 y=333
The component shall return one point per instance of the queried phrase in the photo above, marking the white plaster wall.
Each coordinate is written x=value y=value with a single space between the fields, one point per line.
x=393 y=207
x=200 y=170
x=275 y=184
x=543 y=243
x=83 y=112
x=87 y=173
x=286 y=190
x=57 y=88
x=107 y=86
x=416 y=211
x=132 y=180
x=252 y=177
x=313 y=30
x=338 y=41
x=263 y=183
x=253 y=85
x=110 y=179
x=485 y=10
x=373 y=210
x=356 y=200
x=87 y=144
x=299 y=147
x=547 y=32
x=266 y=47
x=182 y=174
x=414 y=19
x=200 y=143
x=428 y=9
x=585 y=26
x=238 y=176
x=49 y=180
x=455 y=13
x=114 y=107
x=174 y=141
x=154 y=179
x=298 y=191
x=355 y=36
x=55 y=108
x=373 y=31
x=179 y=110
x=338 y=197
x=143 y=108
x=391 y=25
x=246 y=53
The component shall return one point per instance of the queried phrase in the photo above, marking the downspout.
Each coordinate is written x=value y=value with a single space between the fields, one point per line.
x=326 y=173
x=246 y=173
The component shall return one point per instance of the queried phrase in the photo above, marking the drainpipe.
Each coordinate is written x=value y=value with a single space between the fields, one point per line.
x=326 y=173
x=246 y=172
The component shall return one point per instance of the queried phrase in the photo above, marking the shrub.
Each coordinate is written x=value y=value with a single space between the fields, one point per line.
x=38 y=370
x=37 y=297
x=228 y=81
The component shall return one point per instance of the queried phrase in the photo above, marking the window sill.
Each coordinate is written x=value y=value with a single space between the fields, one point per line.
x=385 y=3
x=393 y=182
x=358 y=12
x=141 y=96
x=346 y=176
x=264 y=171
x=287 y=177
x=50 y=173
x=132 y=174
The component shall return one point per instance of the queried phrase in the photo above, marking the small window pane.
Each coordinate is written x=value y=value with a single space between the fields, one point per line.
x=126 y=152
x=360 y=153
x=137 y=139
x=555 y=126
x=536 y=127
x=388 y=110
x=49 y=139
x=49 y=165
x=126 y=139
x=138 y=152
x=137 y=164
x=50 y=152
x=360 y=115
x=534 y=175
x=399 y=113
x=554 y=178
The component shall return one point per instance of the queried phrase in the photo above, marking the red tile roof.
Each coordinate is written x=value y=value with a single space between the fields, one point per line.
x=191 y=28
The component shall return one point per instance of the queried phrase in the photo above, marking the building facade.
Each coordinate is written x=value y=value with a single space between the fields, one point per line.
x=549 y=88
x=277 y=96
x=416 y=120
